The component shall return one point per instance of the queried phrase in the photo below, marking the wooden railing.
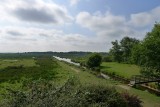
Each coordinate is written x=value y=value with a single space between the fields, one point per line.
x=140 y=79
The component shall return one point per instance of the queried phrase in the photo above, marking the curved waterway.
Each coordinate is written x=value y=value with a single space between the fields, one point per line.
x=78 y=64
x=66 y=60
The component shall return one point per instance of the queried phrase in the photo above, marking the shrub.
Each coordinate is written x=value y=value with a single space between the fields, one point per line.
x=131 y=100
x=71 y=94
x=103 y=96
x=94 y=61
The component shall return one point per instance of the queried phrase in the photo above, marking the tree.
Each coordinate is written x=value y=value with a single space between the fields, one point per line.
x=148 y=52
x=116 y=51
x=137 y=53
x=94 y=60
x=122 y=52
x=126 y=45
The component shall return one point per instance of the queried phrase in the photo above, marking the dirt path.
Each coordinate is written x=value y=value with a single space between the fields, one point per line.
x=76 y=70
x=124 y=87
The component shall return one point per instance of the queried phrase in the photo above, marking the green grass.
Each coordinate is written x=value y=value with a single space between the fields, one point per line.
x=14 y=62
x=45 y=68
x=124 y=70
x=15 y=77
x=86 y=78
x=65 y=71
x=7 y=85
x=127 y=70
x=149 y=100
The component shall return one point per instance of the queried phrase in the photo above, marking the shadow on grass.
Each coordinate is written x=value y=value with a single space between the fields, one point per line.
x=105 y=67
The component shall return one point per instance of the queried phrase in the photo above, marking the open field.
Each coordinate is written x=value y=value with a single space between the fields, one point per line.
x=16 y=62
x=124 y=70
x=30 y=70
x=86 y=78
x=60 y=72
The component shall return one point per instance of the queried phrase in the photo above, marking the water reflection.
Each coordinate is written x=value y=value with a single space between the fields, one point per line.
x=66 y=60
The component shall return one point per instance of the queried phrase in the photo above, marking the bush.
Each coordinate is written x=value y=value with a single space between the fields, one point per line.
x=71 y=94
x=131 y=100
x=103 y=96
x=94 y=61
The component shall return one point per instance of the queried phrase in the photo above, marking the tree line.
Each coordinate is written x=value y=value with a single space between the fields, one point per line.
x=145 y=53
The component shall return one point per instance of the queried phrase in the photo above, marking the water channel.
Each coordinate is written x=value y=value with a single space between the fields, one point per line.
x=67 y=60
x=78 y=64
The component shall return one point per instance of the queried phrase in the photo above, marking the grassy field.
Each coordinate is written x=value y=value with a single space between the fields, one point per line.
x=124 y=70
x=149 y=100
x=13 y=76
x=65 y=71
x=14 y=62
x=86 y=78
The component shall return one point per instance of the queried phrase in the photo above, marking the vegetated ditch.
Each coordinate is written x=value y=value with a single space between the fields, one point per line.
x=106 y=75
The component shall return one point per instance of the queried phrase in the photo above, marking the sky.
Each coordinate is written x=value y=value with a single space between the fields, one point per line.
x=73 y=25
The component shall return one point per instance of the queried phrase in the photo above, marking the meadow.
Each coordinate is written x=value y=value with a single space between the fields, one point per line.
x=87 y=78
x=16 y=74
x=124 y=70
x=16 y=62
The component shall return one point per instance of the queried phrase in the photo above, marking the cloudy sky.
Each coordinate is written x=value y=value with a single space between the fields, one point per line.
x=73 y=25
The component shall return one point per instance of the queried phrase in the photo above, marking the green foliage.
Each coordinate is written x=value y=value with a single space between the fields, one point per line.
x=71 y=94
x=147 y=54
x=137 y=54
x=44 y=70
x=127 y=45
x=24 y=55
x=116 y=52
x=94 y=60
x=131 y=100
x=78 y=57
x=64 y=71
x=122 y=52
x=103 y=97
x=29 y=62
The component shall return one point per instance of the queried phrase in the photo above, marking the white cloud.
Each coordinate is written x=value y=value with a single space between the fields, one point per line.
x=33 y=28
x=111 y=27
x=34 y=11
x=34 y=39
x=144 y=19
x=106 y=25
x=74 y=2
